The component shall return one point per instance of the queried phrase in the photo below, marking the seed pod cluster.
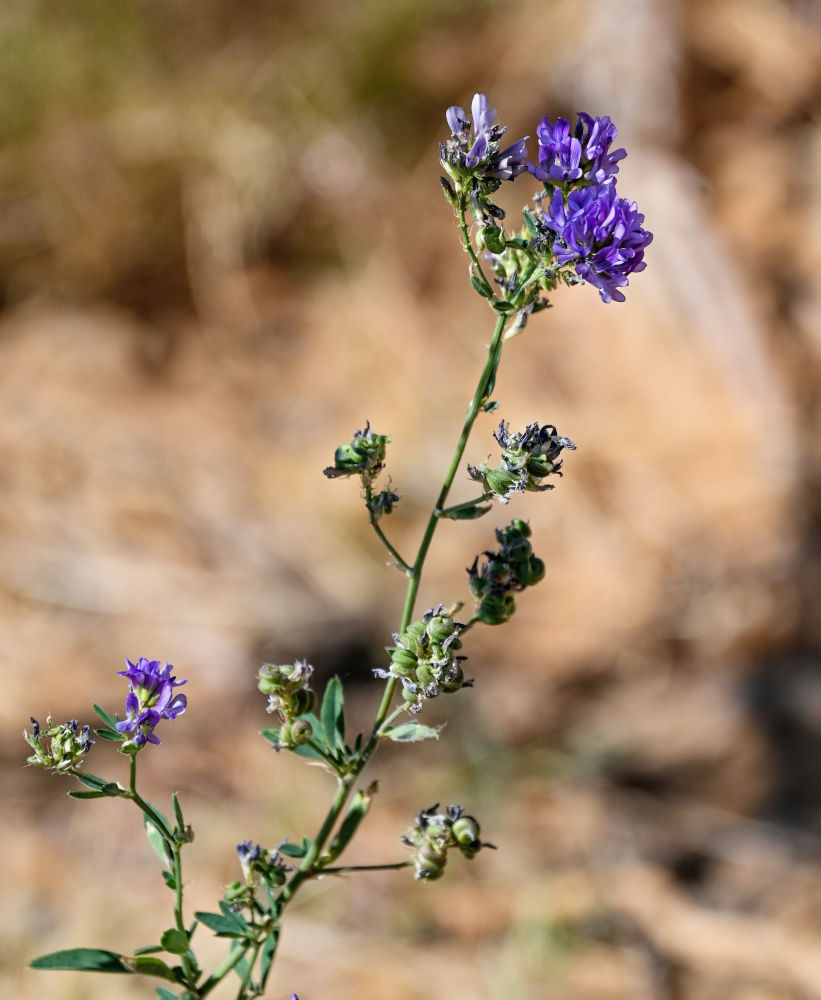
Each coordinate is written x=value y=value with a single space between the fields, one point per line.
x=512 y=568
x=424 y=657
x=60 y=747
x=288 y=689
x=527 y=458
x=364 y=456
x=435 y=834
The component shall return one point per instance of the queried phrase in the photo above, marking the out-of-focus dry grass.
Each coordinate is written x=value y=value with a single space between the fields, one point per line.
x=223 y=247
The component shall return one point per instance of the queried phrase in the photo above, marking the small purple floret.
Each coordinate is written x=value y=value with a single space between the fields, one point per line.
x=602 y=233
x=150 y=698
x=583 y=155
x=477 y=143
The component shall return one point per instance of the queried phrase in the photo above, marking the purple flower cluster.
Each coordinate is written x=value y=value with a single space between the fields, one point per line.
x=602 y=233
x=478 y=145
x=584 y=155
x=586 y=224
x=150 y=699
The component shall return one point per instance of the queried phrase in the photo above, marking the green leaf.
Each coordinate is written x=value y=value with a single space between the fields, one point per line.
x=156 y=839
x=333 y=713
x=490 y=406
x=222 y=925
x=412 y=732
x=480 y=287
x=232 y=914
x=465 y=512
x=109 y=720
x=153 y=967
x=149 y=949
x=110 y=734
x=175 y=941
x=266 y=961
x=504 y=307
x=177 y=811
x=83 y=959
x=272 y=735
x=92 y=780
x=358 y=811
x=165 y=994
x=86 y=795
x=304 y=750
x=530 y=222
x=294 y=850
x=169 y=879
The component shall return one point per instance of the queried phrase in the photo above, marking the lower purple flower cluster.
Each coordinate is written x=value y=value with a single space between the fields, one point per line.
x=601 y=234
x=150 y=698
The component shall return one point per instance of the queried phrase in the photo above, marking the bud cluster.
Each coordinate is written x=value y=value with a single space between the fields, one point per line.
x=364 y=456
x=513 y=567
x=256 y=864
x=435 y=834
x=424 y=657
x=527 y=458
x=290 y=694
x=60 y=747
x=473 y=160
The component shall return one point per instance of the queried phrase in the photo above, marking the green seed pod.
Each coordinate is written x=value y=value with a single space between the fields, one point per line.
x=301 y=731
x=496 y=608
x=531 y=572
x=520 y=527
x=403 y=661
x=498 y=481
x=414 y=631
x=432 y=853
x=518 y=549
x=411 y=697
x=440 y=628
x=284 y=739
x=465 y=830
x=429 y=871
x=303 y=701
x=494 y=238
x=458 y=681
x=425 y=675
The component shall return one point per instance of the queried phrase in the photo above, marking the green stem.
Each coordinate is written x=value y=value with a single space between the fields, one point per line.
x=468 y=244
x=467 y=505
x=479 y=396
x=400 y=562
x=222 y=970
x=305 y=869
x=339 y=870
x=173 y=852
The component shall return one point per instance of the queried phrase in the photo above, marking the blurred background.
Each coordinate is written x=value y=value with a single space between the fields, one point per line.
x=223 y=247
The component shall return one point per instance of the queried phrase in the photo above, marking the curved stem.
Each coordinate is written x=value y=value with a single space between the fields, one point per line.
x=400 y=562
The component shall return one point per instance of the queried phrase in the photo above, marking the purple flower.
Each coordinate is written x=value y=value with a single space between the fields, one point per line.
x=477 y=144
x=583 y=155
x=150 y=698
x=601 y=234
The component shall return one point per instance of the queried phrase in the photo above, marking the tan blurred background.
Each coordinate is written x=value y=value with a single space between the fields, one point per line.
x=222 y=248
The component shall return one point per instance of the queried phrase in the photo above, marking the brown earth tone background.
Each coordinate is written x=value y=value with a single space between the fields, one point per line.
x=222 y=247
